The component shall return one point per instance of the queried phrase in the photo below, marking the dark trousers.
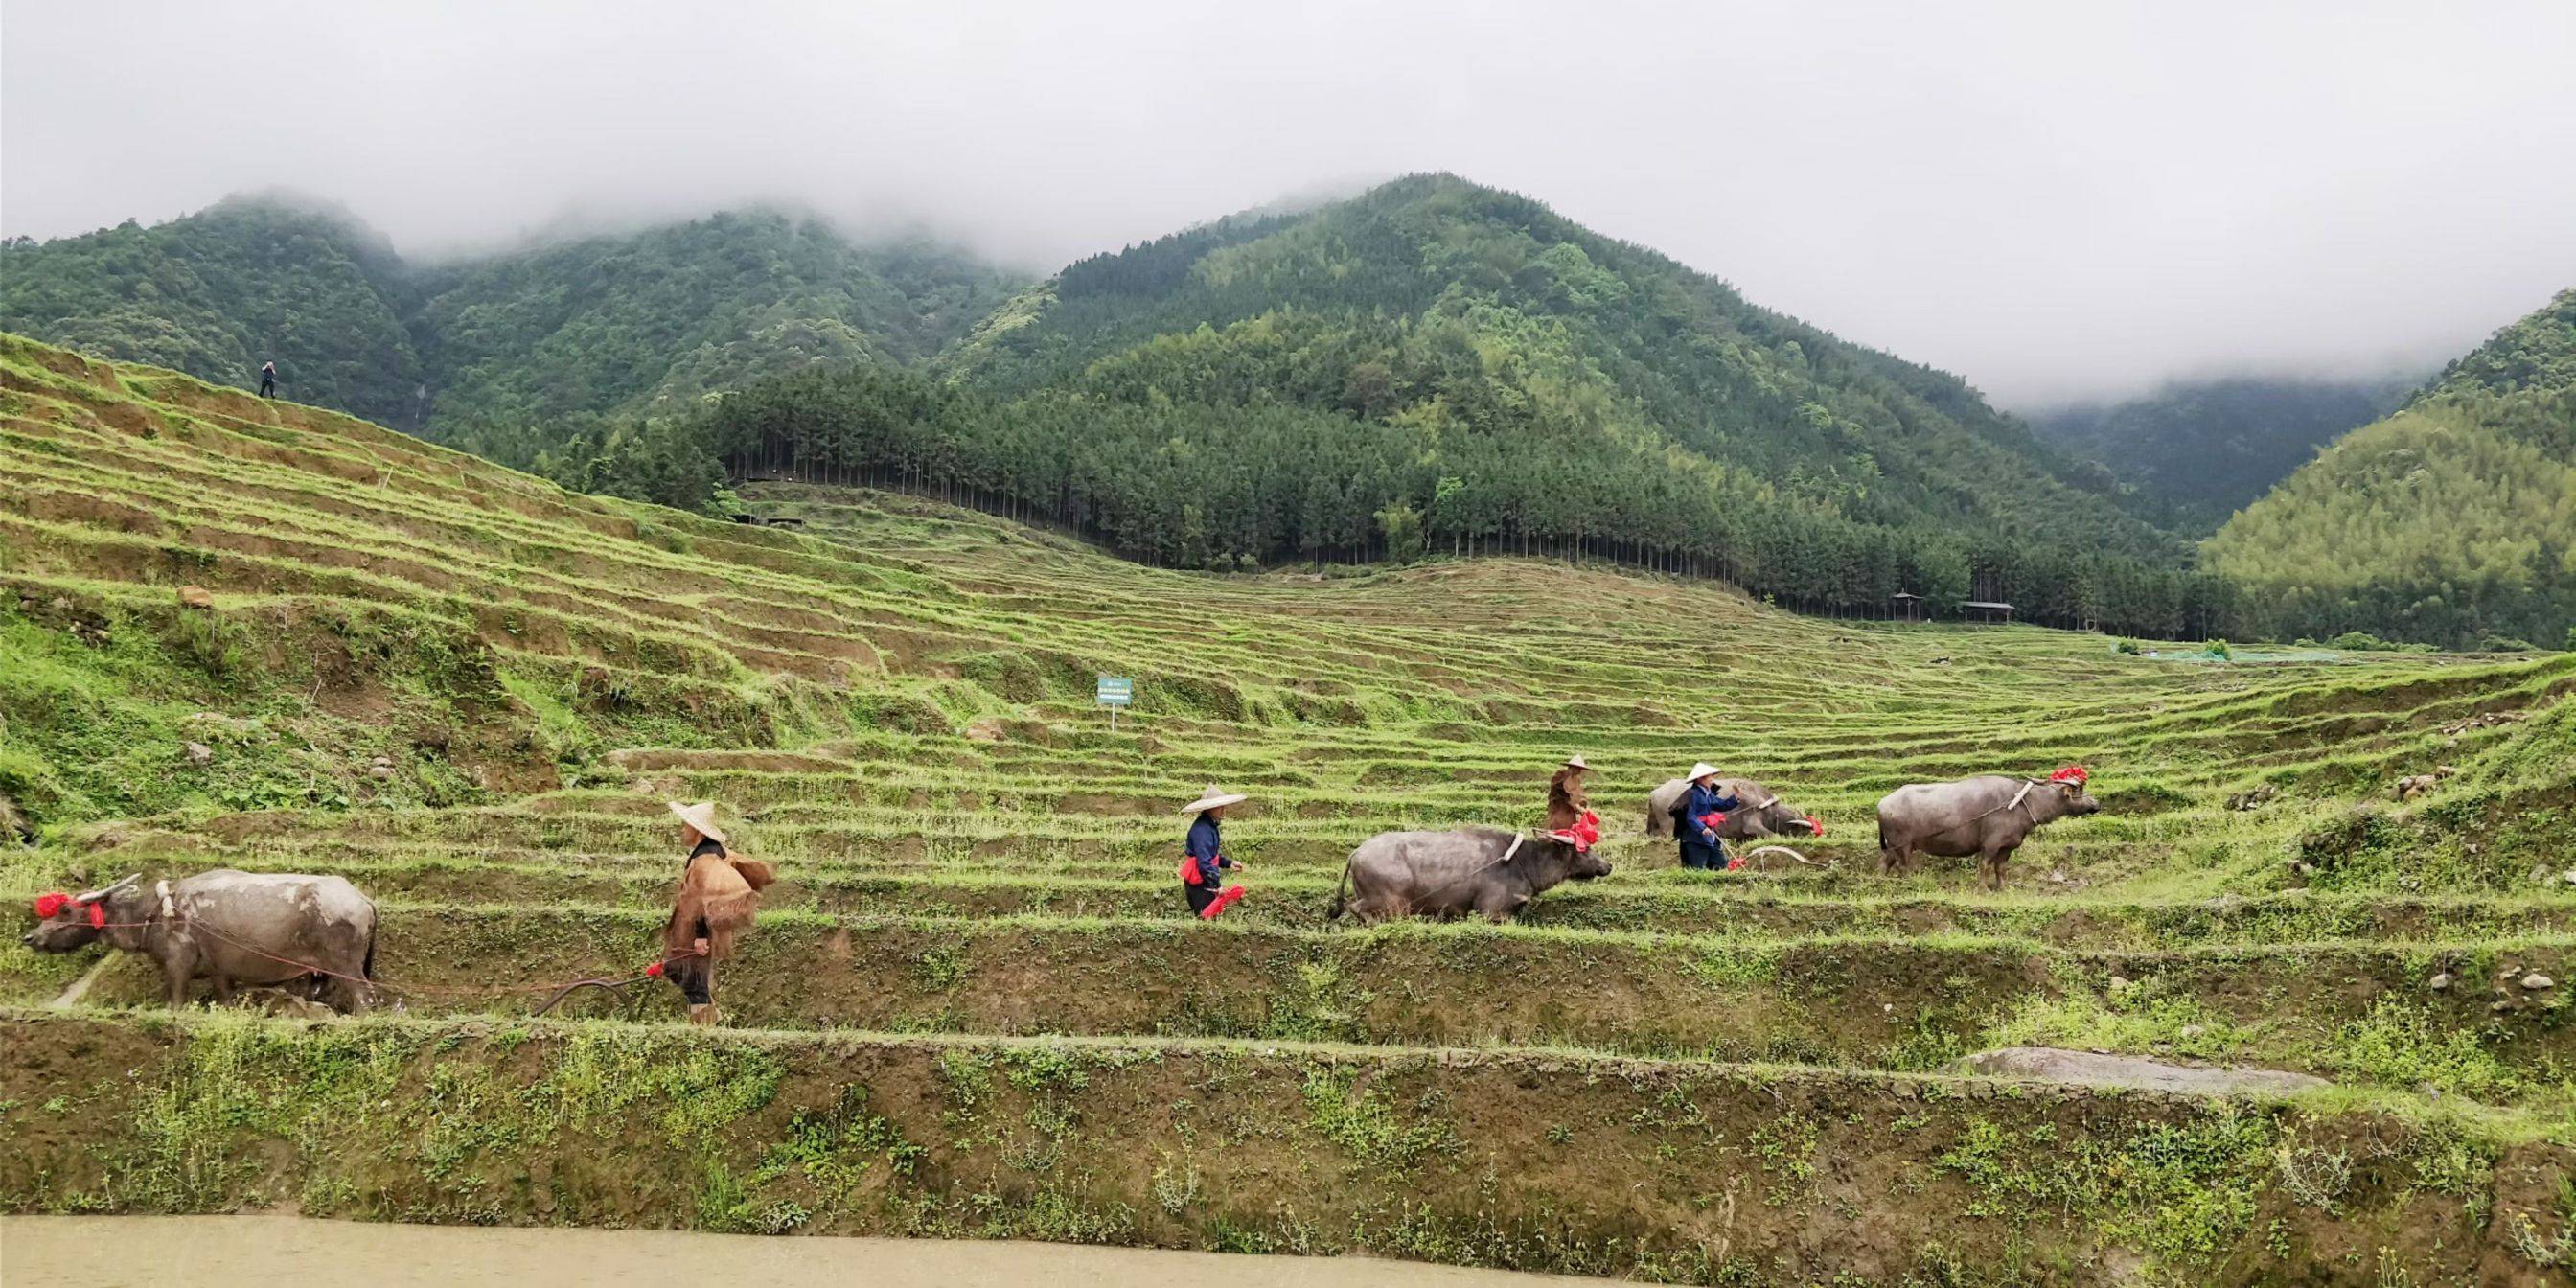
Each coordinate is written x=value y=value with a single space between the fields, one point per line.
x=695 y=976
x=1700 y=854
x=1200 y=897
x=268 y=386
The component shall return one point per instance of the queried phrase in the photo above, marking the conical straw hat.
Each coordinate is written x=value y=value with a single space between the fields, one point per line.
x=701 y=816
x=1211 y=798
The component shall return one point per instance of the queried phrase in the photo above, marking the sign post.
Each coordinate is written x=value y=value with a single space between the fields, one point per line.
x=1115 y=691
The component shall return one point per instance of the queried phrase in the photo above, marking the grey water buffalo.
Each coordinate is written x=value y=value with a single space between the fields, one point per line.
x=1988 y=816
x=229 y=927
x=1762 y=814
x=1487 y=871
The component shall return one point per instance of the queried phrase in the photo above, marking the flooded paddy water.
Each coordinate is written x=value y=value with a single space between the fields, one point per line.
x=182 y=1251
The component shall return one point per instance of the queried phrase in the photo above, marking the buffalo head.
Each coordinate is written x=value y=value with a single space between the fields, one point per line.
x=68 y=922
x=1587 y=865
x=2078 y=801
x=1775 y=817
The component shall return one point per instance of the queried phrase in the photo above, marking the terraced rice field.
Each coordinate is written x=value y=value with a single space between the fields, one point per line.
x=975 y=1005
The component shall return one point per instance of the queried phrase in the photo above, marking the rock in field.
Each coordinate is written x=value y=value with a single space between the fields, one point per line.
x=2535 y=981
x=196 y=597
x=200 y=754
x=2054 y=1064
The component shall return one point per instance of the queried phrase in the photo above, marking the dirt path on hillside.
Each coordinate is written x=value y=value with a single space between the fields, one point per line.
x=185 y=1251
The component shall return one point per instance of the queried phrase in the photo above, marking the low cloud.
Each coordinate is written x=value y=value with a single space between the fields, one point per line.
x=2056 y=201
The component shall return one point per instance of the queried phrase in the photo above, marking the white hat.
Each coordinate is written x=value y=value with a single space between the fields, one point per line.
x=1575 y=762
x=701 y=816
x=1699 y=771
x=1213 y=797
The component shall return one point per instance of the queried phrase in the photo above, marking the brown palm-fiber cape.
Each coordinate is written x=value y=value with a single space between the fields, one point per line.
x=1565 y=799
x=718 y=895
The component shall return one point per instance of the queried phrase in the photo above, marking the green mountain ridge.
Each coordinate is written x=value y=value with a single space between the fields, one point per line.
x=1650 y=344
x=635 y=322
x=1471 y=372
x=218 y=292
x=1429 y=366
x=2197 y=451
x=2452 y=521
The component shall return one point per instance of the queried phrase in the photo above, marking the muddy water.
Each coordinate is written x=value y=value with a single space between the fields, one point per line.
x=185 y=1251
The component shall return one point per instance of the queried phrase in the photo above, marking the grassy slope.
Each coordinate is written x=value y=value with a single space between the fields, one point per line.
x=470 y=692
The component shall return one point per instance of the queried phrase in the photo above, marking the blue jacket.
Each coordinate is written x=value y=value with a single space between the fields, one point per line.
x=1696 y=802
x=1203 y=846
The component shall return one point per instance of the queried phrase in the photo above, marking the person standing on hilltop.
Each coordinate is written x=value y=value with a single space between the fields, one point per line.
x=1566 y=800
x=268 y=379
x=1203 y=855
x=719 y=893
x=1698 y=815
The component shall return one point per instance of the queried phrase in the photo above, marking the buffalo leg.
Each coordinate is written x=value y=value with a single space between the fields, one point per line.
x=1891 y=860
x=346 y=996
x=223 y=989
x=1374 y=909
x=1990 y=869
x=175 y=973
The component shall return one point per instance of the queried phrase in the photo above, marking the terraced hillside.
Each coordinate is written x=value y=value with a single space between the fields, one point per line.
x=975 y=1007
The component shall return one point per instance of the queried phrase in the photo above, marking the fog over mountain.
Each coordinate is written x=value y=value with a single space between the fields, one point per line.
x=2058 y=202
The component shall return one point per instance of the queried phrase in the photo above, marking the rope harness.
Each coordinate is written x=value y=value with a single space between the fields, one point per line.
x=2020 y=800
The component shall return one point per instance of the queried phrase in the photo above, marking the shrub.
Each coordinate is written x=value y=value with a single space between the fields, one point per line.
x=2218 y=649
x=2129 y=647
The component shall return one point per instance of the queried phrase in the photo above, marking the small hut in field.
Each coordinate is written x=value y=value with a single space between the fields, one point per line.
x=1905 y=606
x=1987 y=612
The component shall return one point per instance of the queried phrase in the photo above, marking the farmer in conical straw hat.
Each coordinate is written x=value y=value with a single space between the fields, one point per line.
x=1698 y=815
x=1203 y=854
x=719 y=892
x=1565 y=798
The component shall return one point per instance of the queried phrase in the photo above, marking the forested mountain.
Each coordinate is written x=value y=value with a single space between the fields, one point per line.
x=2197 y=451
x=1436 y=364
x=2452 y=521
x=221 y=291
x=496 y=350
x=1430 y=366
x=647 y=321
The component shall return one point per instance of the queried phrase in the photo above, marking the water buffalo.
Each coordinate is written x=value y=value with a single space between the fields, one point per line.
x=1762 y=813
x=1988 y=816
x=230 y=927
x=1451 y=874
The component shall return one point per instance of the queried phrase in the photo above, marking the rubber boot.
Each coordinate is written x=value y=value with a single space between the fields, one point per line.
x=703 y=1014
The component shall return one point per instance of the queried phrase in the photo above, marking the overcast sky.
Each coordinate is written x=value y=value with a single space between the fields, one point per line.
x=2055 y=199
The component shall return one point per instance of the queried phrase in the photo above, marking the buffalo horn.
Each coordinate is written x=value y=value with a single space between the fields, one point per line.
x=102 y=892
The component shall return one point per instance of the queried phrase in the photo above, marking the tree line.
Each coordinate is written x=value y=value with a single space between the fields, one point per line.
x=1197 y=485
